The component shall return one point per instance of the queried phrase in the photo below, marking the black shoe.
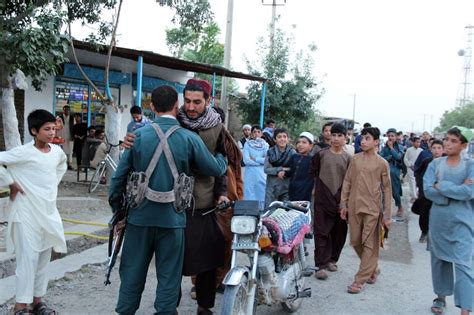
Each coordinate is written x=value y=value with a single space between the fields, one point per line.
x=220 y=289
x=205 y=311
x=423 y=238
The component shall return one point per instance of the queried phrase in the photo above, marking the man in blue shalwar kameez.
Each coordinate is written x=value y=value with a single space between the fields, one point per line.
x=448 y=183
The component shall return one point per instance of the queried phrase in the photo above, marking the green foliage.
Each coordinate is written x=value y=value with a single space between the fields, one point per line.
x=209 y=50
x=32 y=37
x=195 y=37
x=460 y=116
x=292 y=90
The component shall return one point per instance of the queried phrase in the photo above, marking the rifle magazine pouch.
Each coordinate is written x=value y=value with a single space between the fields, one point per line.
x=183 y=190
x=137 y=185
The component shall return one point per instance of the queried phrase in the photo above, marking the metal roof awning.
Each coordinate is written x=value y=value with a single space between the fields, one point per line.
x=168 y=62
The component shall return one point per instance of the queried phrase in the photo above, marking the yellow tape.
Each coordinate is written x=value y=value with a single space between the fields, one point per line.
x=85 y=222
x=87 y=234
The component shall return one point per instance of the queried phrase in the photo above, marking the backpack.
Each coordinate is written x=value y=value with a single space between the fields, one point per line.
x=182 y=193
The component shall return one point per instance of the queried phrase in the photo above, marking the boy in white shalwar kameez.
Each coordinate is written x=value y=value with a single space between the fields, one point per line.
x=33 y=173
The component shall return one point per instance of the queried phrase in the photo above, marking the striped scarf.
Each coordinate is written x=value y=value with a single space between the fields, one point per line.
x=210 y=118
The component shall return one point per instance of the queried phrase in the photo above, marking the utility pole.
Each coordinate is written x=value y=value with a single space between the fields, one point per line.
x=431 y=124
x=227 y=52
x=354 y=108
x=274 y=4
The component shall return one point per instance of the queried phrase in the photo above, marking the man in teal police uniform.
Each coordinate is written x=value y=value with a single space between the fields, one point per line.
x=156 y=228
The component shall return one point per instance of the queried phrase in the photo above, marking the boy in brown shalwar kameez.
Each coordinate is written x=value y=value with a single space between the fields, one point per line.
x=329 y=166
x=367 y=178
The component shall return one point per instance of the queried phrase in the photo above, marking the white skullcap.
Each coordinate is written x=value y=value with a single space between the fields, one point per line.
x=307 y=135
x=246 y=126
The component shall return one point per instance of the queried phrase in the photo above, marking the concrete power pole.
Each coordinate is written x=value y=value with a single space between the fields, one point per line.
x=274 y=4
x=227 y=53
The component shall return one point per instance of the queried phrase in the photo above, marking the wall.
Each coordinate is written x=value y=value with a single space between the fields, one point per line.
x=38 y=100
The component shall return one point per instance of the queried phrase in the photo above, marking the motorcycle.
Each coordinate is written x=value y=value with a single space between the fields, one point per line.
x=277 y=268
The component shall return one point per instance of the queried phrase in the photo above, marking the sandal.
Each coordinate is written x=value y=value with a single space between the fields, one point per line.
x=24 y=311
x=373 y=277
x=354 y=288
x=42 y=309
x=439 y=304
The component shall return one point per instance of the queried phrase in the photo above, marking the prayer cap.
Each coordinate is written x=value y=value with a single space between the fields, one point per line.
x=308 y=136
x=246 y=126
x=466 y=132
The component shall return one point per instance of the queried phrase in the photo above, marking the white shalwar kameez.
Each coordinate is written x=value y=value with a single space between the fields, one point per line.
x=65 y=133
x=35 y=226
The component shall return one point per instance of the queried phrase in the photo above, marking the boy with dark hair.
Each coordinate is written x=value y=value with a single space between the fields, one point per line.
x=328 y=168
x=267 y=132
x=276 y=164
x=325 y=139
x=33 y=172
x=448 y=183
x=366 y=181
x=138 y=119
x=357 y=140
x=393 y=153
x=422 y=205
x=301 y=181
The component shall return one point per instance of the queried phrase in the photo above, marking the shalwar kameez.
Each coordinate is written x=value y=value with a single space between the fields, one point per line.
x=451 y=229
x=254 y=153
x=366 y=180
x=35 y=226
x=330 y=231
x=394 y=157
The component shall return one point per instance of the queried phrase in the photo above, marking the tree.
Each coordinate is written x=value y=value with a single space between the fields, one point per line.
x=191 y=18
x=460 y=116
x=33 y=43
x=35 y=36
x=292 y=89
x=195 y=37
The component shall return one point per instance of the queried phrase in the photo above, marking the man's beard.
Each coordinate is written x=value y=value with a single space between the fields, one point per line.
x=199 y=115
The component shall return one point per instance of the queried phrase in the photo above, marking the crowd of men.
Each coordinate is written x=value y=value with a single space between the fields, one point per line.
x=350 y=186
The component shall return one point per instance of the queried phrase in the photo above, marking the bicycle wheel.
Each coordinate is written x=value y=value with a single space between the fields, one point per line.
x=95 y=180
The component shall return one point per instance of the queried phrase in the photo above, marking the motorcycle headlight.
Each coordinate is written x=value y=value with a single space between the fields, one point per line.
x=243 y=225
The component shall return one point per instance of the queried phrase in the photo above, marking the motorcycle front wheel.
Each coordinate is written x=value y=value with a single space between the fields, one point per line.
x=235 y=299
x=293 y=305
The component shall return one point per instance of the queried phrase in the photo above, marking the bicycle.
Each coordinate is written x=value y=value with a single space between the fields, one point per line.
x=101 y=168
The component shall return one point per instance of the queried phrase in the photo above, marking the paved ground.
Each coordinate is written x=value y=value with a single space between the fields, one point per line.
x=404 y=286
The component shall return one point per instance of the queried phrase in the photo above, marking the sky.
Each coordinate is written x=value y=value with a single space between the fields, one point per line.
x=398 y=57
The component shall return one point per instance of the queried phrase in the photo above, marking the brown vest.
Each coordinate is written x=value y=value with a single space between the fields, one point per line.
x=204 y=185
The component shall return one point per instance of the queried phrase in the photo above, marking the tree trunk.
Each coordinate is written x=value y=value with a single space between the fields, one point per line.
x=112 y=130
x=11 y=133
